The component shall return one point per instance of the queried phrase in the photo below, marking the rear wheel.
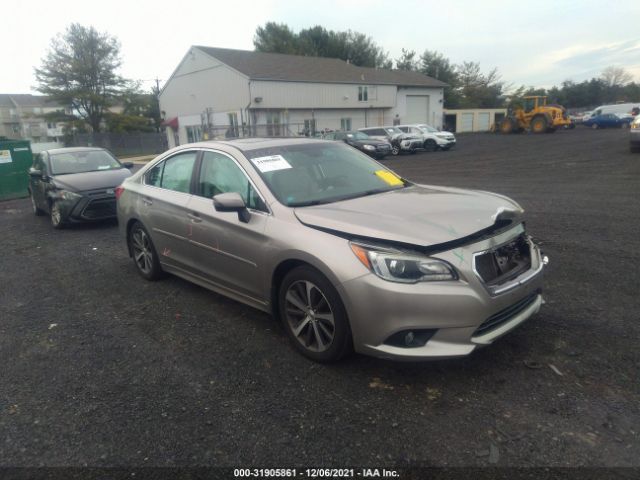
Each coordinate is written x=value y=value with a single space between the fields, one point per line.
x=430 y=145
x=144 y=253
x=34 y=206
x=594 y=126
x=313 y=315
x=539 y=124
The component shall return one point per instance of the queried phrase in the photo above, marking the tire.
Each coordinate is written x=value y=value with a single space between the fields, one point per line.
x=395 y=150
x=430 y=145
x=314 y=316
x=57 y=217
x=507 y=126
x=594 y=126
x=624 y=125
x=539 y=124
x=36 y=210
x=143 y=252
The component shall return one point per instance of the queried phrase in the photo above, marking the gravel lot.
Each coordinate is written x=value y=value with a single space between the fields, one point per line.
x=101 y=368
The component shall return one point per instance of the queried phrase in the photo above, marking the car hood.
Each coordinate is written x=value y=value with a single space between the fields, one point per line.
x=419 y=215
x=80 y=182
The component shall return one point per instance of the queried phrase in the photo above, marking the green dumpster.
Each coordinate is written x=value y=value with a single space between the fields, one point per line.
x=15 y=161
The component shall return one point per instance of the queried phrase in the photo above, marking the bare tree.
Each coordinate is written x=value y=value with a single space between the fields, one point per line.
x=616 y=76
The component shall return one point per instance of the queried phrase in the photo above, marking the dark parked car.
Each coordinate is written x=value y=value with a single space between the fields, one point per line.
x=607 y=120
x=400 y=141
x=76 y=184
x=363 y=142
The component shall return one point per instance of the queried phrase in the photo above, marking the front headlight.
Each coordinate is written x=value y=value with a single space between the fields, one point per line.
x=635 y=125
x=403 y=267
x=369 y=147
x=66 y=195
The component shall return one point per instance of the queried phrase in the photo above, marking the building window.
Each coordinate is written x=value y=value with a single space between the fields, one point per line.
x=273 y=124
x=345 y=124
x=194 y=134
x=310 y=127
x=51 y=125
x=363 y=94
x=232 y=131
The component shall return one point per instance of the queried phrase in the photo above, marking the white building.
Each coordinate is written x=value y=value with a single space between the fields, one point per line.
x=217 y=92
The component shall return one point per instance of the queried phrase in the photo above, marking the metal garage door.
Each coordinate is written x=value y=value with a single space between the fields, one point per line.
x=483 y=122
x=467 y=123
x=417 y=109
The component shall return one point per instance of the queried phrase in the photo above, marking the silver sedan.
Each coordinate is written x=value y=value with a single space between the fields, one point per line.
x=346 y=253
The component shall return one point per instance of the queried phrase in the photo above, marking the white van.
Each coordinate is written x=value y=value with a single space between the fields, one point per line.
x=619 y=109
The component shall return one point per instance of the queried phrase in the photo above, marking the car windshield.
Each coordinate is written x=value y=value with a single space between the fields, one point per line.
x=82 y=161
x=428 y=129
x=393 y=130
x=358 y=135
x=313 y=174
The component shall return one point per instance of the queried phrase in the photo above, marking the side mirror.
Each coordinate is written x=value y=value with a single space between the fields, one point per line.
x=232 y=202
x=35 y=173
x=128 y=165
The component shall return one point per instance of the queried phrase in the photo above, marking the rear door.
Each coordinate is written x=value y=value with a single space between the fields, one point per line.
x=227 y=251
x=163 y=205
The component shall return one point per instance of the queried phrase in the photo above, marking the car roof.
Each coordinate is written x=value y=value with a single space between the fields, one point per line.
x=75 y=149
x=248 y=144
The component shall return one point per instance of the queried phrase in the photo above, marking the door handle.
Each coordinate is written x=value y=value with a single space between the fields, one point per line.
x=194 y=217
x=147 y=201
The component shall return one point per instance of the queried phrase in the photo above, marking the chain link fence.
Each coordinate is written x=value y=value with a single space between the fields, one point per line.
x=121 y=144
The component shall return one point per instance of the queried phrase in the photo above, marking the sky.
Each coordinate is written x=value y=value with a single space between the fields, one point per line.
x=534 y=44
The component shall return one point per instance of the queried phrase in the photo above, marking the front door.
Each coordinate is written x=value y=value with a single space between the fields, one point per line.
x=227 y=251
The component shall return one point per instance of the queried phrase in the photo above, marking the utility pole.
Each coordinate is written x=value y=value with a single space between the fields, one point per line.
x=157 y=92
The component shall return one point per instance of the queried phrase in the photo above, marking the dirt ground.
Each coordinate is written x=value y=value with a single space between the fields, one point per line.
x=101 y=368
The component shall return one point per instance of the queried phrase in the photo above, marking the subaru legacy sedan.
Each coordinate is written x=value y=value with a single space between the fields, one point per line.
x=345 y=252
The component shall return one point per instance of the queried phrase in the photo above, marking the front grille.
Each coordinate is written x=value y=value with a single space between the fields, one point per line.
x=503 y=316
x=100 y=208
x=504 y=263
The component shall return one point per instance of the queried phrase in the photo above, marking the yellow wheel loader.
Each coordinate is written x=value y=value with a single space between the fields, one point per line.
x=535 y=115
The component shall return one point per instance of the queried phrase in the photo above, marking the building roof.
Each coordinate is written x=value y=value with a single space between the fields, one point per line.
x=26 y=100
x=297 y=68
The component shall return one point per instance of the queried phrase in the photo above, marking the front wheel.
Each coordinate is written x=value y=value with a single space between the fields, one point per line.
x=57 y=217
x=144 y=253
x=430 y=145
x=395 y=150
x=594 y=126
x=314 y=316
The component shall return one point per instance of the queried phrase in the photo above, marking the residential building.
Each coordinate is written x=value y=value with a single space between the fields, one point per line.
x=23 y=116
x=216 y=92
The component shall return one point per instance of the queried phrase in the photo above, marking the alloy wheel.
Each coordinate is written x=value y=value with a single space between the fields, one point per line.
x=142 y=253
x=56 y=215
x=309 y=316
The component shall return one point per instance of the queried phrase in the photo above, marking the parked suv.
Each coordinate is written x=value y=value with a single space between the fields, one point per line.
x=433 y=139
x=400 y=141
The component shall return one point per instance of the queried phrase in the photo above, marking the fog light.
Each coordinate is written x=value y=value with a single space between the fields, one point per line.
x=408 y=338
x=545 y=260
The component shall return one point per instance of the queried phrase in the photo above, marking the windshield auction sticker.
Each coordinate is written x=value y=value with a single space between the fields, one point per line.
x=5 y=156
x=270 y=163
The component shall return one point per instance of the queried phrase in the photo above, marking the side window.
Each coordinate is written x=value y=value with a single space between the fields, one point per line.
x=153 y=176
x=177 y=172
x=220 y=174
